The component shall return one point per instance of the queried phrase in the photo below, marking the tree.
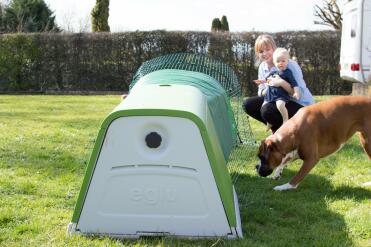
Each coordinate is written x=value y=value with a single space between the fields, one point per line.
x=216 y=25
x=28 y=16
x=99 y=16
x=220 y=25
x=220 y=39
x=224 y=24
x=329 y=14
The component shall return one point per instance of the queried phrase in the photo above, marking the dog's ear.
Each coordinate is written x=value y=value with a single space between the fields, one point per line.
x=262 y=143
x=271 y=145
x=263 y=148
x=267 y=146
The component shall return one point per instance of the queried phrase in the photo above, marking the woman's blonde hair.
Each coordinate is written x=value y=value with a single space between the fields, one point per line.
x=262 y=41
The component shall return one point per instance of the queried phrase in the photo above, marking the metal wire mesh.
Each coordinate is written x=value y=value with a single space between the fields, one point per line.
x=193 y=62
x=227 y=79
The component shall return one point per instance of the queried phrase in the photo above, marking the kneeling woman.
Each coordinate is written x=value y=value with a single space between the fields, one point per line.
x=268 y=113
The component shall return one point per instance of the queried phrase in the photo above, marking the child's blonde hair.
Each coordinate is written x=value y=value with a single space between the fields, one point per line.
x=280 y=52
x=262 y=41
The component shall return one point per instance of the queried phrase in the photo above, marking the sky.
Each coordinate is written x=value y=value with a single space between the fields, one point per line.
x=190 y=15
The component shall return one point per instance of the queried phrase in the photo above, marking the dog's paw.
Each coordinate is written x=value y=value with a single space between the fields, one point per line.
x=276 y=176
x=287 y=186
x=277 y=173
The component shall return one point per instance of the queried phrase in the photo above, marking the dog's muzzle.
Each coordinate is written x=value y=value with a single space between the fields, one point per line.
x=263 y=170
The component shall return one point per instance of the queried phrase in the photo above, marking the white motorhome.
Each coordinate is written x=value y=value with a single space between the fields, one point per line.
x=355 y=53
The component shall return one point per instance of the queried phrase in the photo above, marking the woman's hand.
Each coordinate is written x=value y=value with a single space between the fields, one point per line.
x=258 y=82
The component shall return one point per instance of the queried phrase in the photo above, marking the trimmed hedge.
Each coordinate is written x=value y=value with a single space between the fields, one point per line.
x=107 y=61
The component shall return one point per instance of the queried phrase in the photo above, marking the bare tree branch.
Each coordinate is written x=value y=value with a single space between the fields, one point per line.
x=329 y=14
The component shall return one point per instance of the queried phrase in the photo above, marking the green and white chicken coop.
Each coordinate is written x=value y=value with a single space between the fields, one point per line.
x=159 y=164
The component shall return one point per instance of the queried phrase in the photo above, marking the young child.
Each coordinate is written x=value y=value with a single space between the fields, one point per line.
x=277 y=94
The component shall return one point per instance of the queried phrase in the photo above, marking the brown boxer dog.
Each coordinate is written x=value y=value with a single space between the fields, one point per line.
x=313 y=133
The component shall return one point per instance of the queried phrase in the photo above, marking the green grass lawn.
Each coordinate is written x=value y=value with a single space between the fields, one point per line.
x=45 y=144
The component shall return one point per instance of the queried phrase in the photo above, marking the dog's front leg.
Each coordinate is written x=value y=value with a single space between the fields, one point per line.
x=288 y=158
x=278 y=172
x=294 y=182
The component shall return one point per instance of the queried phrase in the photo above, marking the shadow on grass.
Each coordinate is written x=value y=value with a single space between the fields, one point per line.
x=298 y=217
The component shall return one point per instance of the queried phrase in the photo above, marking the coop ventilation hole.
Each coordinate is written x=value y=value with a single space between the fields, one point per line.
x=153 y=140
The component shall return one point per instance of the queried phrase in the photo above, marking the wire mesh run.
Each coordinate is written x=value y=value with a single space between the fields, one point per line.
x=193 y=62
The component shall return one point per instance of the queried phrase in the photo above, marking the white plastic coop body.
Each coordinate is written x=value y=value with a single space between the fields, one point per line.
x=159 y=168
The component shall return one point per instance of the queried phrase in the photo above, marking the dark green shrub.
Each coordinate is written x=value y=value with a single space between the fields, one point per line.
x=18 y=62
